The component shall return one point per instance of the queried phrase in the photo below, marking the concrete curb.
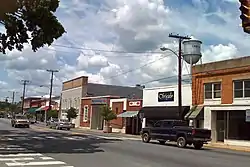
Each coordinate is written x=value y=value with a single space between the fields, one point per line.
x=234 y=148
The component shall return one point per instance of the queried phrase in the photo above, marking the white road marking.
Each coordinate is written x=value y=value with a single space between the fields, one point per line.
x=69 y=138
x=46 y=158
x=12 y=148
x=38 y=163
x=17 y=159
x=38 y=138
x=21 y=155
x=67 y=166
x=50 y=137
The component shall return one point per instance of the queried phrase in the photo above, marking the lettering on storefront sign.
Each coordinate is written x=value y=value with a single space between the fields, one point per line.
x=166 y=96
x=99 y=101
x=248 y=115
x=134 y=103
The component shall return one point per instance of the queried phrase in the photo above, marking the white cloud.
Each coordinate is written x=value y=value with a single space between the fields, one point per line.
x=130 y=26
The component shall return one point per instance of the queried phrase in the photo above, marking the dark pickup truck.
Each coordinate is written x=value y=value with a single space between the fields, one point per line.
x=177 y=131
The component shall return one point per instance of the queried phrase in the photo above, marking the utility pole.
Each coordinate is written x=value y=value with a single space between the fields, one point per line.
x=13 y=96
x=50 y=93
x=180 y=38
x=24 y=83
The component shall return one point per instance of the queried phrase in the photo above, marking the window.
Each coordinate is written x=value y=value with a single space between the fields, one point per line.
x=241 y=88
x=212 y=90
x=85 y=113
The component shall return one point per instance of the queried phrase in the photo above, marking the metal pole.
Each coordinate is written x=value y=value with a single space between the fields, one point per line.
x=179 y=80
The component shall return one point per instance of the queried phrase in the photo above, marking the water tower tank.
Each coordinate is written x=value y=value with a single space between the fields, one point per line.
x=192 y=51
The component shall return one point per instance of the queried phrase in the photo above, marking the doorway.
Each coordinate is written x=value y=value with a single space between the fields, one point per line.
x=96 y=121
x=220 y=126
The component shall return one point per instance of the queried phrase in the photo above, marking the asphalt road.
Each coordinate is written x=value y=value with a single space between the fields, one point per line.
x=28 y=147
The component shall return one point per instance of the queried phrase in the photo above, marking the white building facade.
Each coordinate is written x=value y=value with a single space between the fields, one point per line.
x=160 y=98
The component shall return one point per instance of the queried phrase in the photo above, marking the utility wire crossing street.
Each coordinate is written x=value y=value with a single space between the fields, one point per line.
x=17 y=158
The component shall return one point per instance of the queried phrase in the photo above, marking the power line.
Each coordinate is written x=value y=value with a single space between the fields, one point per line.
x=123 y=56
x=103 y=50
x=24 y=83
x=131 y=70
x=160 y=79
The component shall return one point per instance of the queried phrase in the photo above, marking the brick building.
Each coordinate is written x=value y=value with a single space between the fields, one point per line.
x=78 y=93
x=222 y=92
x=125 y=109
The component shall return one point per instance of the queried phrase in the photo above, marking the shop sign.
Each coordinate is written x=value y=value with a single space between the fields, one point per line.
x=166 y=96
x=134 y=103
x=99 y=101
x=248 y=115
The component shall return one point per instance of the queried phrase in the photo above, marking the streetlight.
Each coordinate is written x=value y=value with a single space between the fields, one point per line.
x=191 y=52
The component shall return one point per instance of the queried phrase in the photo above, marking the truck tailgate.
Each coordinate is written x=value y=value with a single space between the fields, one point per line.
x=201 y=133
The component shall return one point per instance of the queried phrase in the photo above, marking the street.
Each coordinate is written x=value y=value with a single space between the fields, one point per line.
x=50 y=148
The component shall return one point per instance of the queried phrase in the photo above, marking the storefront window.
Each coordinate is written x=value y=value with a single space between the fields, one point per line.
x=212 y=90
x=241 y=88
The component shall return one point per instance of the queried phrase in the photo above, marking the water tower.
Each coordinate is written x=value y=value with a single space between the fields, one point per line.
x=192 y=52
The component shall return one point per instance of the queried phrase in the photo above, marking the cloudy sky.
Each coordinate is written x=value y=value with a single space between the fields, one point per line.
x=104 y=37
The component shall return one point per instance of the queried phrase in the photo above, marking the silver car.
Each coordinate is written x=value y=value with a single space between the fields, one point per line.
x=59 y=124
x=20 y=121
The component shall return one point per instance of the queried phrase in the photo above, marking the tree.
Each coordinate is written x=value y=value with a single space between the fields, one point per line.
x=71 y=113
x=53 y=114
x=34 y=17
x=107 y=114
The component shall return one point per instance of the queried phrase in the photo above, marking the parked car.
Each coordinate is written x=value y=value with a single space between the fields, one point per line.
x=59 y=124
x=177 y=131
x=20 y=121
x=32 y=120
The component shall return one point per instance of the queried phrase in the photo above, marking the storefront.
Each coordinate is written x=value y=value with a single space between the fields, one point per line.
x=127 y=110
x=162 y=103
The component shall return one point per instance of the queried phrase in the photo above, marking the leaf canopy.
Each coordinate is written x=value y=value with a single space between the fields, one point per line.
x=32 y=22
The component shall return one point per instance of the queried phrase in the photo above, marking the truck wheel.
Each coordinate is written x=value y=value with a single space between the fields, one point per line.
x=198 y=145
x=162 y=142
x=181 y=142
x=145 y=137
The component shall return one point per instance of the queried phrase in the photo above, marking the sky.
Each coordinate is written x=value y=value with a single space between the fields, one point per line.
x=104 y=37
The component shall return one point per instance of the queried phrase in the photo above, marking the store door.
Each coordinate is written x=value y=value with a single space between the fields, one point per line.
x=220 y=130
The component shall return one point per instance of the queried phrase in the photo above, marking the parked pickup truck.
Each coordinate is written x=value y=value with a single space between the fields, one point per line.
x=177 y=131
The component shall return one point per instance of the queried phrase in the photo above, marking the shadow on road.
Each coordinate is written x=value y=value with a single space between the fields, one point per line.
x=59 y=145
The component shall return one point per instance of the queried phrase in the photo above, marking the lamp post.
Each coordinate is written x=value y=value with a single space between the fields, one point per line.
x=179 y=55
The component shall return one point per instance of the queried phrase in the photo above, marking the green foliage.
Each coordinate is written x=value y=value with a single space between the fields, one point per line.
x=8 y=107
x=71 y=113
x=35 y=17
x=107 y=113
x=52 y=113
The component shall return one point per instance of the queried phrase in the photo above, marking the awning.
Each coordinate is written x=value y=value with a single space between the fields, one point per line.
x=128 y=114
x=194 y=112
x=43 y=108
x=32 y=110
x=163 y=112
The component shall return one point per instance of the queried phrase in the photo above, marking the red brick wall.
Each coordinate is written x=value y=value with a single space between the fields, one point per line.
x=225 y=76
x=85 y=102
x=117 y=107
